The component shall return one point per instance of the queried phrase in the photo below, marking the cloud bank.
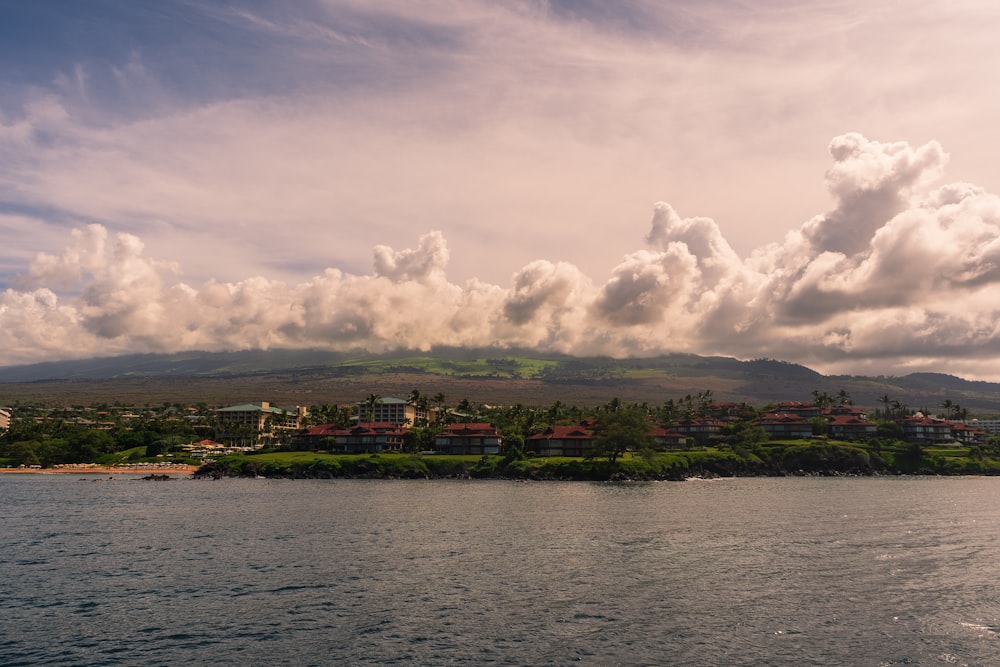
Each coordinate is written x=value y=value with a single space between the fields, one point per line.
x=900 y=274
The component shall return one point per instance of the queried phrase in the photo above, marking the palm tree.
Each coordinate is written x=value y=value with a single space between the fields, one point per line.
x=371 y=402
x=344 y=416
x=423 y=408
x=704 y=399
x=668 y=412
x=322 y=414
x=439 y=401
x=821 y=399
x=886 y=401
x=948 y=407
x=555 y=413
x=419 y=404
x=687 y=411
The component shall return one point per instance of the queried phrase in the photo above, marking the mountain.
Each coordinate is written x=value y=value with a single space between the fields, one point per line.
x=490 y=375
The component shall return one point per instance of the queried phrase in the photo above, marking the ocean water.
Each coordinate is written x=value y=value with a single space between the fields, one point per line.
x=796 y=571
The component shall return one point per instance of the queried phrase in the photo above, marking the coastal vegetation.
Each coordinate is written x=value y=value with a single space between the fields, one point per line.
x=49 y=437
x=619 y=455
x=777 y=458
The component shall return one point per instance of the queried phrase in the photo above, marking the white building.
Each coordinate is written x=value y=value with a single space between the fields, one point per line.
x=991 y=426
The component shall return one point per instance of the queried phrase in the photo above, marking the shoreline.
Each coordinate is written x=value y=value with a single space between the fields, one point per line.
x=84 y=469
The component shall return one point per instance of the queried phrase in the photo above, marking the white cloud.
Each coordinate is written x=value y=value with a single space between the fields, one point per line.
x=918 y=283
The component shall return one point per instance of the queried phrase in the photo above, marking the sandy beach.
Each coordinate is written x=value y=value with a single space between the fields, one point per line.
x=88 y=469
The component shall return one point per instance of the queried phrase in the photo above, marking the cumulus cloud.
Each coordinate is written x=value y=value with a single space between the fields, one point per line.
x=871 y=182
x=426 y=263
x=901 y=273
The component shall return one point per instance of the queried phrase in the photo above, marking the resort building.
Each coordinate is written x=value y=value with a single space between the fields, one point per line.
x=254 y=425
x=928 y=430
x=785 y=426
x=848 y=410
x=667 y=439
x=798 y=408
x=562 y=441
x=394 y=410
x=726 y=411
x=968 y=435
x=703 y=430
x=851 y=427
x=313 y=438
x=476 y=439
x=579 y=440
x=4 y=419
x=990 y=426
x=358 y=439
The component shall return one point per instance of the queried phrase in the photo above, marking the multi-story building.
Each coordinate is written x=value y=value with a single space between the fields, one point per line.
x=562 y=441
x=254 y=425
x=967 y=434
x=367 y=438
x=990 y=426
x=477 y=439
x=927 y=430
x=579 y=440
x=804 y=410
x=726 y=411
x=4 y=419
x=394 y=410
x=782 y=426
x=703 y=430
x=851 y=427
x=667 y=439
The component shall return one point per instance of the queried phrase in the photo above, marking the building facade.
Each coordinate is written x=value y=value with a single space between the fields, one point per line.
x=254 y=425
x=393 y=410
x=562 y=441
x=367 y=438
x=474 y=438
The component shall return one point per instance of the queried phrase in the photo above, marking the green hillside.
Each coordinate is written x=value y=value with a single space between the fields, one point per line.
x=308 y=377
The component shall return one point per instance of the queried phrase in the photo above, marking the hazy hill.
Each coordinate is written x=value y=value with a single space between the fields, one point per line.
x=308 y=377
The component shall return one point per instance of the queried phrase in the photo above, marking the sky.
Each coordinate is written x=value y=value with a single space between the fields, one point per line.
x=811 y=182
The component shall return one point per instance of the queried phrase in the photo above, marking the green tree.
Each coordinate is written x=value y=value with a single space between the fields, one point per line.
x=668 y=412
x=556 y=412
x=622 y=430
x=821 y=399
x=752 y=435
